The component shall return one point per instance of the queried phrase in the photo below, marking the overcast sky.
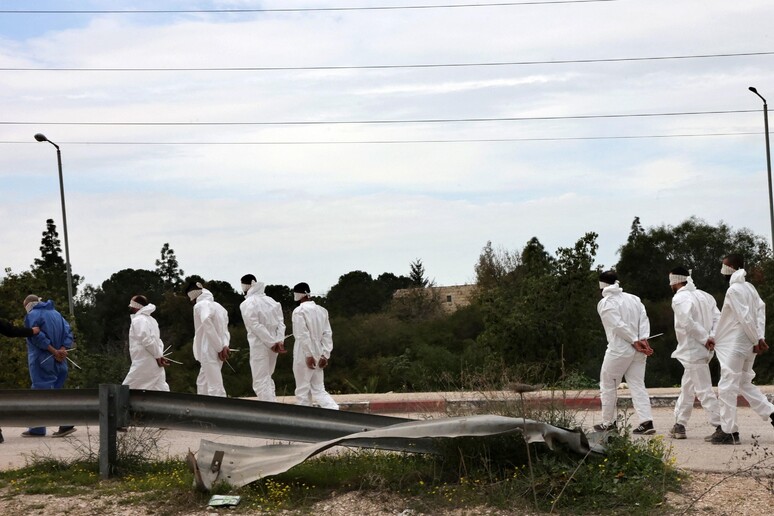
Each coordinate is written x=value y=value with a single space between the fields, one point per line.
x=253 y=198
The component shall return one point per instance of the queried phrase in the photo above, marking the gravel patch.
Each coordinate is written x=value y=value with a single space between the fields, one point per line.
x=712 y=494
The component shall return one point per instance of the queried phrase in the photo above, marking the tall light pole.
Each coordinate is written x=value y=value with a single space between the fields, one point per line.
x=768 y=159
x=42 y=138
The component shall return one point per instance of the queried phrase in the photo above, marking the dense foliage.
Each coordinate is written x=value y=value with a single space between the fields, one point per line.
x=534 y=312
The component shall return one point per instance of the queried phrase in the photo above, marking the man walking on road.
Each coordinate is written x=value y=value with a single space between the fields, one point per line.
x=211 y=338
x=696 y=317
x=312 y=350
x=265 y=327
x=627 y=329
x=145 y=349
x=47 y=353
x=739 y=337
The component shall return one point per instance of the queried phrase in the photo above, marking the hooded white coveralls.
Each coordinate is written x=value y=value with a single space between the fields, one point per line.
x=696 y=317
x=314 y=338
x=265 y=326
x=210 y=337
x=625 y=321
x=145 y=347
x=742 y=323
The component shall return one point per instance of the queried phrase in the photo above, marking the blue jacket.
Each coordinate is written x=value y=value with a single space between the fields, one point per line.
x=45 y=371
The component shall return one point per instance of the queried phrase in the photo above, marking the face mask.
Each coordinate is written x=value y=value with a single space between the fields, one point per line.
x=29 y=306
x=726 y=270
x=298 y=296
x=134 y=304
x=192 y=295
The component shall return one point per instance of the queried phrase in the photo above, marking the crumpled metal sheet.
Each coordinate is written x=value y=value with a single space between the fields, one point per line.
x=241 y=465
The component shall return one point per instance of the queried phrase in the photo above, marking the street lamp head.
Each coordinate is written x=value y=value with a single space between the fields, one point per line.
x=42 y=138
x=754 y=90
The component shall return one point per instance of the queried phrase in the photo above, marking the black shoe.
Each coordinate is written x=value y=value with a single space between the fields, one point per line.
x=771 y=416
x=718 y=431
x=724 y=438
x=606 y=427
x=645 y=428
x=678 y=431
x=63 y=432
x=1 y=436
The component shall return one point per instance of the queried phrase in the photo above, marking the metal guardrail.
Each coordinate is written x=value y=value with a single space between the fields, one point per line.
x=49 y=407
x=113 y=406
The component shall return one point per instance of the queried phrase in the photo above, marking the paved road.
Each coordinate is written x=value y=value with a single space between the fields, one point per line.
x=692 y=453
x=695 y=454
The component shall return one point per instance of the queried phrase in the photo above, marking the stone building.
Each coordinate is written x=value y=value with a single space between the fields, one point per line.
x=450 y=298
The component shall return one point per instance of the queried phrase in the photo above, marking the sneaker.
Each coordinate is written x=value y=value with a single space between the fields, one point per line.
x=724 y=438
x=678 y=431
x=718 y=431
x=62 y=433
x=27 y=433
x=606 y=427
x=645 y=428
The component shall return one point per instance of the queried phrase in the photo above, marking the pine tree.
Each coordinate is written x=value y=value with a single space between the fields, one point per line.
x=50 y=249
x=417 y=274
x=51 y=267
x=168 y=268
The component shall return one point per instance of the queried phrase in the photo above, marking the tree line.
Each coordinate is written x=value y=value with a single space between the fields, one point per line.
x=533 y=316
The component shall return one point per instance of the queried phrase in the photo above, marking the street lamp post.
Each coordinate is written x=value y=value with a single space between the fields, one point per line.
x=768 y=159
x=42 y=138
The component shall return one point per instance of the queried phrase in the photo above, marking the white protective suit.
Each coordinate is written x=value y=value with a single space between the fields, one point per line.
x=145 y=347
x=625 y=321
x=265 y=326
x=742 y=323
x=210 y=337
x=696 y=317
x=314 y=338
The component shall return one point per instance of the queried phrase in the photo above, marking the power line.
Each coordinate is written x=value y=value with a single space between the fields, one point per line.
x=383 y=66
x=298 y=9
x=393 y=142
x=376 y=122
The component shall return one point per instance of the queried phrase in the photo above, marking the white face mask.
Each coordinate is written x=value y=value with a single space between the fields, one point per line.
x=30 y=305
x=192 y=295
x=298 y=296
x=726 y=270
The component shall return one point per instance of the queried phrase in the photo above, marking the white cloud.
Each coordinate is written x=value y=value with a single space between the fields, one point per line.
x=450 y=87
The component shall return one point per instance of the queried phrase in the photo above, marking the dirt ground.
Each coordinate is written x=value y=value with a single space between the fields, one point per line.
x=712 y=494
x=724 y=495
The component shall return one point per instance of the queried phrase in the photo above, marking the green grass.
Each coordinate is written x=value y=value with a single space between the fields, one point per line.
x=633 y=477
x=51 y=477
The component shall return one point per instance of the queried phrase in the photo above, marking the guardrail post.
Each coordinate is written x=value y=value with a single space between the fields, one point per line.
x=113 y=408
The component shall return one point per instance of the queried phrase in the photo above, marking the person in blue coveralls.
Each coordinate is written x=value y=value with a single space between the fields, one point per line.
x=47 y=352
